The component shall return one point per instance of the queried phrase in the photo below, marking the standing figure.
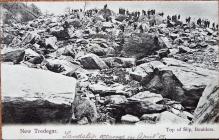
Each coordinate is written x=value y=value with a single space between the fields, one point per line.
x=135 y=26
x=141 y=28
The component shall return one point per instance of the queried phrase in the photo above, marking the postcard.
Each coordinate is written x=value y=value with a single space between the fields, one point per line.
x=109 y=69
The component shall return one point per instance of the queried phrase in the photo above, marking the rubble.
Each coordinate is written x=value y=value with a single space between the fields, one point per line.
x=129 y=70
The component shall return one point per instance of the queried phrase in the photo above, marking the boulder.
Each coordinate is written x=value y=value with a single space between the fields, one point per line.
x=103 y=90
x=97 y=49
x=83 y=107
x=116 y=99
x=163 y=52
x=147 y=96
x=38 y=98
x=179 y=81
x=33 y=57
x=190 y=76
x=184 y=49
x=30 y=53
x=166 y=42
x=107 y=25
x=76 y=23
x=119 y=62
x=36 y=60
x=51 y=42
x=8 y=38
x=167 y=117
x=15 y=42
x=144 y=70
x=141 y=45
x=212 y=42
x=121 y=17
x=150 y=117
x=207 y=110
x=127 y=119
x=60 y=33
x=136 y=108
x=173 y=36
x=30 y=37
x=92 y=61
x=15 y=56
x=57 y=65
x=209 y=31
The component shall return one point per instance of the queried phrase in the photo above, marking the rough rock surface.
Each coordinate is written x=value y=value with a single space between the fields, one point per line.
x=13 y=56
x=92 y=61
x=208 y=106
x=33 y=90
x=167 y=117
x=144 y=66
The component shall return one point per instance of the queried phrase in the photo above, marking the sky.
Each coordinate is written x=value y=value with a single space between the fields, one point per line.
x=195 y=9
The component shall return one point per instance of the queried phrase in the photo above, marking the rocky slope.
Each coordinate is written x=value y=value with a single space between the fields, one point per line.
x=164 y=74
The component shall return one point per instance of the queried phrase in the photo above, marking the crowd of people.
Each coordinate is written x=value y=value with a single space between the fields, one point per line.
x=133 y=18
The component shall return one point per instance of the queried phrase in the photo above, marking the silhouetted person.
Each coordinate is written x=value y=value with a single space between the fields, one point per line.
x=105 y=6
x=141 y=28
x=135 y=26
x=168 y=17
x=178 y=17
x=213 y=26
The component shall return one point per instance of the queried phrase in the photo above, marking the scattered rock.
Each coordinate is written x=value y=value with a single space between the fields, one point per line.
x=92 y=61
x=207 y=108
x=150 y=117
x=51 y=42
x=147 y=96
x=167 y=117
x=35 y=88
x=83 y=107
x=119 y=62
x=14 y=56
x=127 y=119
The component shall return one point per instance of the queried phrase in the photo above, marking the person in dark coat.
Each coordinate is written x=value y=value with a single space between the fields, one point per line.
x=141 y=28
x=135 y=26
x=213 y=25
x=178 y=17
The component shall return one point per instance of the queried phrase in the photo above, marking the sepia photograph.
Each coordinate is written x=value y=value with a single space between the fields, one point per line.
x=109 y=63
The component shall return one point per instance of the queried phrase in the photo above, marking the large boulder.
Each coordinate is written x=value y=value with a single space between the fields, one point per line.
x=179 y=81
x=191 y=77
x=15 y=56
x=92 y=61
x=33 y=96
x=207 y=110
x=141 y=45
